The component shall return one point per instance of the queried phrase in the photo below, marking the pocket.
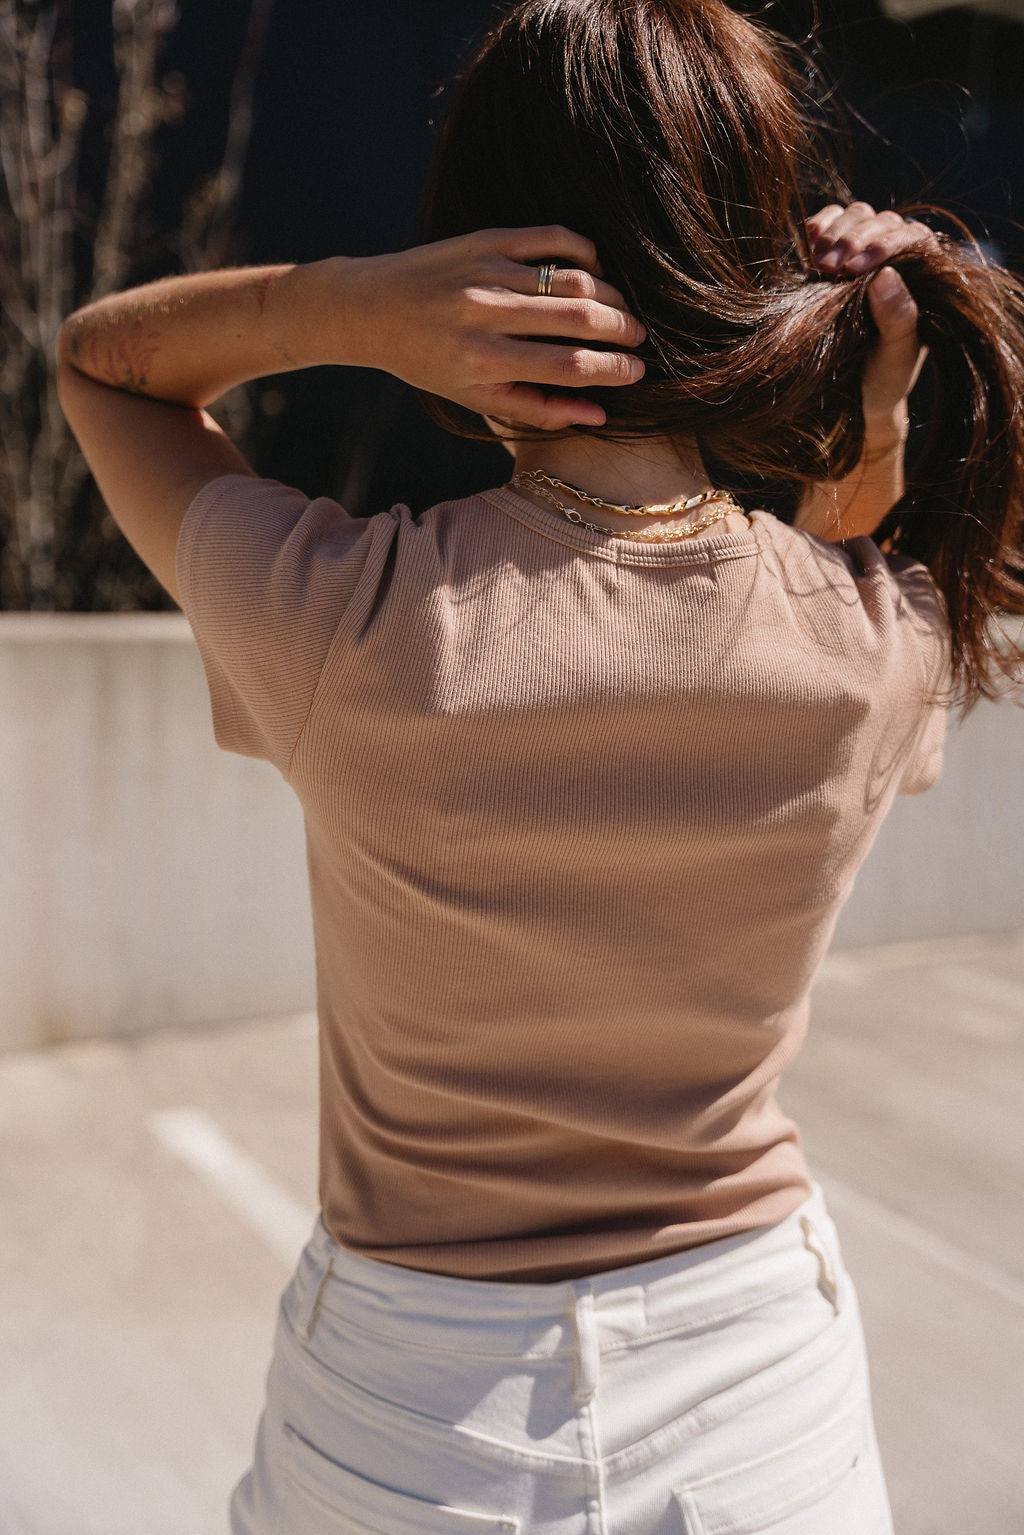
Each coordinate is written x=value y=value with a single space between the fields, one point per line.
x=827 y=1483
x=325 y=1498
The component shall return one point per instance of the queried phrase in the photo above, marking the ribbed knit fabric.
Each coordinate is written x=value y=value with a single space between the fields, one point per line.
x=580 y=816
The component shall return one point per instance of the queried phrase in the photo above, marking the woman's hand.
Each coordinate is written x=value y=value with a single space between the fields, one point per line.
x=852 y=241
x=455 y=318
x=462 y=318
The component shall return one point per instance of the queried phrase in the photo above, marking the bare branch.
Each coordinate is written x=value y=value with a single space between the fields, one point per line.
x=42 y=471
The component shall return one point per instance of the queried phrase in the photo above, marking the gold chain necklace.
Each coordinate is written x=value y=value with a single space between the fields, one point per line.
x=537 y=481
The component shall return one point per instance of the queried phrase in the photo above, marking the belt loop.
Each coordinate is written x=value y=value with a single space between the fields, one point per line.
x=306 y=1320
x=587 y=1353
x=827 y=1280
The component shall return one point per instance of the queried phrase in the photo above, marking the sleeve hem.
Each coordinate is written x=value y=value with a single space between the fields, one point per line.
x=202 y=503
x=227 y=732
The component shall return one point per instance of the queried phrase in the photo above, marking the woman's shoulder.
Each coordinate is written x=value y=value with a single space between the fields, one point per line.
x=858 y=559
x=871 y=602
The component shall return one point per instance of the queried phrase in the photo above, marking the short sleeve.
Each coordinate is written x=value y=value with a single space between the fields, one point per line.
x=924 y=766
x=264 y=577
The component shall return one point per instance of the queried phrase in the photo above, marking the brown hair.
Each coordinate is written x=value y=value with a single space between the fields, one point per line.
x=680 y=137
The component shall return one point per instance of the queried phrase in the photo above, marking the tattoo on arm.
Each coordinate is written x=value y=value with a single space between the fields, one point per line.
x=124 y=363
x=263 y=287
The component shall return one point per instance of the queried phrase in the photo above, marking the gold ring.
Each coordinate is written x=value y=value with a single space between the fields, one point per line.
x=545 y=279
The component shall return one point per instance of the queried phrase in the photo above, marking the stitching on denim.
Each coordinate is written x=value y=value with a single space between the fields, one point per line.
x=680 y=1330
x=381 y=1411
x=360 y=1330
x=706 y=1319
x=708 y=1413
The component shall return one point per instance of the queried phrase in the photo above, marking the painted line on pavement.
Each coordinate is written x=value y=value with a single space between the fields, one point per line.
x=947 y=1255
x=196 y=1139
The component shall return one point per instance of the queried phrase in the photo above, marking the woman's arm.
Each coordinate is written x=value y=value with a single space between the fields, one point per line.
x=135 y=369
x=854 y=240
x=451 y=318
x=187 y=340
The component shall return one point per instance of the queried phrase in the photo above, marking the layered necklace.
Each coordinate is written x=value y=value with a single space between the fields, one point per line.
x=551 y=489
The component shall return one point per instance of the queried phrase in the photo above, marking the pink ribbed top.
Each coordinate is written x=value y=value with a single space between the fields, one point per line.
x=580 y=816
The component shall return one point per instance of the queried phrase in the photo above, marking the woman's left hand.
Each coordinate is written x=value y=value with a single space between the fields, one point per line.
x=849 y=242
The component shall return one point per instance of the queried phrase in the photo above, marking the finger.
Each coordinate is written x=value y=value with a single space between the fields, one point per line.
x=848 y=221
x=893 y=307
x=873 y=245
x=868 y=244
x=897 y=357
x=526 y=405
x=566 y=367
x=583 y=319
x=819 y=223
x=545 y=242
x=566 y=282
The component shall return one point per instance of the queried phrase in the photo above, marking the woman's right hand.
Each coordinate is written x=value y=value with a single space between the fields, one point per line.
x=462 y=318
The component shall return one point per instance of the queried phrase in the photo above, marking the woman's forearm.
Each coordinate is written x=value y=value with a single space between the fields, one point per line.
x=188 y=340
x=859 y=503
x=461 y=318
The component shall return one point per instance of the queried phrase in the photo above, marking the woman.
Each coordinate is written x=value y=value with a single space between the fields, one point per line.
x=588 y=764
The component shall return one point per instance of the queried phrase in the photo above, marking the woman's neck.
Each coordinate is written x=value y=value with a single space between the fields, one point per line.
x=643 y=473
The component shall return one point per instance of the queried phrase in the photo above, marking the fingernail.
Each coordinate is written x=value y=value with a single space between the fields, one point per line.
x=860 y=262
x=832 y=261
x=636 y=369
x=889 y=284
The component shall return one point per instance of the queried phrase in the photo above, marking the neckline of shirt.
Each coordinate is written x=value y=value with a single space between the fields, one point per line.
x=700 y=549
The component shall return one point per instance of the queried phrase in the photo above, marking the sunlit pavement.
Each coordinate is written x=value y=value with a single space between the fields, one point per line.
x=155 y=1192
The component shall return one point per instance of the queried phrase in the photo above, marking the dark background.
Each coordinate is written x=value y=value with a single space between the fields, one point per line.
x=345 y=101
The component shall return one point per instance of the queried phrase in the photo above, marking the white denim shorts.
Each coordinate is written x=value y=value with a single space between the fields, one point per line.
x=720 y=1391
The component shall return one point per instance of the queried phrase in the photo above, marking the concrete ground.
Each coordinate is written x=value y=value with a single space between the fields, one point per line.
x=155 y=1193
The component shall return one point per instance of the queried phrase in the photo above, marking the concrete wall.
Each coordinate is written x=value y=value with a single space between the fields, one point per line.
x=952 y=860
x=148 y=878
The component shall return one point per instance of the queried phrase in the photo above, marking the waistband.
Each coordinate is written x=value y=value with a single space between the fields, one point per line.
x=689 y=1289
